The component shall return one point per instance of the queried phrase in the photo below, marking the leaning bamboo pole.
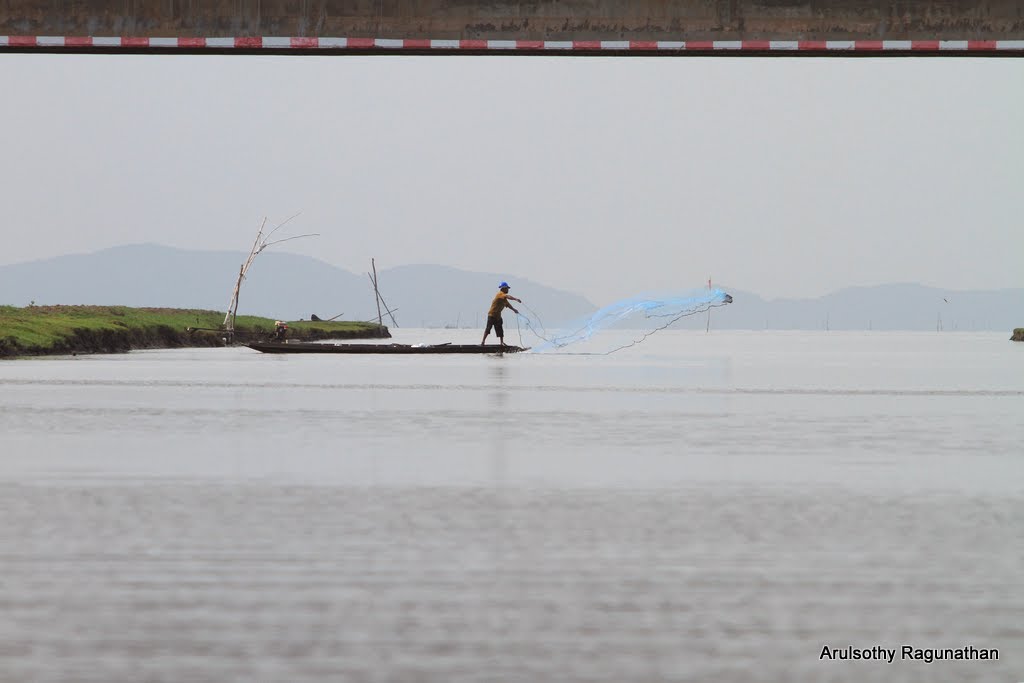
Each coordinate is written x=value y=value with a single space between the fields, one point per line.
x=380 y=298
x=376 y=292
x=261 y=243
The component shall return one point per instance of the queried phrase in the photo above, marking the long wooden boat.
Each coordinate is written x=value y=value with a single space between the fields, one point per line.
x=310 y=347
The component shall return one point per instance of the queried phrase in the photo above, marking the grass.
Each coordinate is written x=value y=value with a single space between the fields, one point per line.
x=37 y=330
x=1018 y=334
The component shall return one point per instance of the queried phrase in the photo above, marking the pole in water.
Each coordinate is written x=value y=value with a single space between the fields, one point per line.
x=376 y=293
x=708 y=328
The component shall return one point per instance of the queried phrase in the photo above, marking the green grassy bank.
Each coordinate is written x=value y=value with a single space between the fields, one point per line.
x=1018 y=334
x=54 y=330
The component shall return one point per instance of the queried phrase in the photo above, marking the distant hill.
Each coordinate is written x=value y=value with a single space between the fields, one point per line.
x=290 y=286
x=882 y=307
x=278 y=285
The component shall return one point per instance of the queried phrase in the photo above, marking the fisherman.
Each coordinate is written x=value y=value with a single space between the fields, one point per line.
x=494 y=313
x=280 y=330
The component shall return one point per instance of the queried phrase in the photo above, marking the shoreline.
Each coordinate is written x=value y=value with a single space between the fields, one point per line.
x=71 y=330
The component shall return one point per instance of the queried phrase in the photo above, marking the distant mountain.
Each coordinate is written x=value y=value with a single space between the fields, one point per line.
x=279 y=285
x=881 y=307
x=290 y=286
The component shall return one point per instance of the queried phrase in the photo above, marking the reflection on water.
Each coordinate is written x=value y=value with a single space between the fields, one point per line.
x=706 y=507
x=499 y=403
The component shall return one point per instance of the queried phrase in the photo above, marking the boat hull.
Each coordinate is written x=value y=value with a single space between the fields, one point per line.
x=308 y=347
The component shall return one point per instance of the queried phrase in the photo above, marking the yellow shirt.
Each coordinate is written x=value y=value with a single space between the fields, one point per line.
x=500 y=302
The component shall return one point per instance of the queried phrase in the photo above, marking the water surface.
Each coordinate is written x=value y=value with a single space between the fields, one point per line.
x=700 y=507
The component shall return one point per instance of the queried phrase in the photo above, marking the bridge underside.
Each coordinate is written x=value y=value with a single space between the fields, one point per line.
x=897 y=27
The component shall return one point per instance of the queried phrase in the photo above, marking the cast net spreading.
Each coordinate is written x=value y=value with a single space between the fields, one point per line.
x=638 y=317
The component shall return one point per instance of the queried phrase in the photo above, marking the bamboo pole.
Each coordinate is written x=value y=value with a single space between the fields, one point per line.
x=261 y=243
x=376 y=293
x=238 y=293
x=390 y=311
x=379 y=298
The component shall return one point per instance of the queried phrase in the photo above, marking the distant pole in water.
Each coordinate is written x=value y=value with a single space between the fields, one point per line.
x=708 y=328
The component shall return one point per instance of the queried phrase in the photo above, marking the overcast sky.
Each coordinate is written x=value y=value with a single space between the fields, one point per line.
x=605 y=176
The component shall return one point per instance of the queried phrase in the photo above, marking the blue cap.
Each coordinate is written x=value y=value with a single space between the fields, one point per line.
x=503 y=284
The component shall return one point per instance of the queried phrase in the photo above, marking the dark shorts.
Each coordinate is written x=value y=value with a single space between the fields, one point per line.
x=495 y=322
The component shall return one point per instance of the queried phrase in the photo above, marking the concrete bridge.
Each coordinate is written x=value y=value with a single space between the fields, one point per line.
x=579 y=27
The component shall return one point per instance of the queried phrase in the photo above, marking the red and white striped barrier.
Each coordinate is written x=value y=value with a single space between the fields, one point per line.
x=423 y=45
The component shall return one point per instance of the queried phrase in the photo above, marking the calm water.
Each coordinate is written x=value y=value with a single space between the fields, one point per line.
x=700 y=507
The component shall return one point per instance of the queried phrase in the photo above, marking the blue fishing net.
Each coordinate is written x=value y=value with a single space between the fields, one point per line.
x=643 y=314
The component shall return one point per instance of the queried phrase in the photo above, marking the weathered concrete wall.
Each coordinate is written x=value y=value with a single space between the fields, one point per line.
x=581 y=20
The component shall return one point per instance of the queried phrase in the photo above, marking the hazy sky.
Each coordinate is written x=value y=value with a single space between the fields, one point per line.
x=605 y=176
